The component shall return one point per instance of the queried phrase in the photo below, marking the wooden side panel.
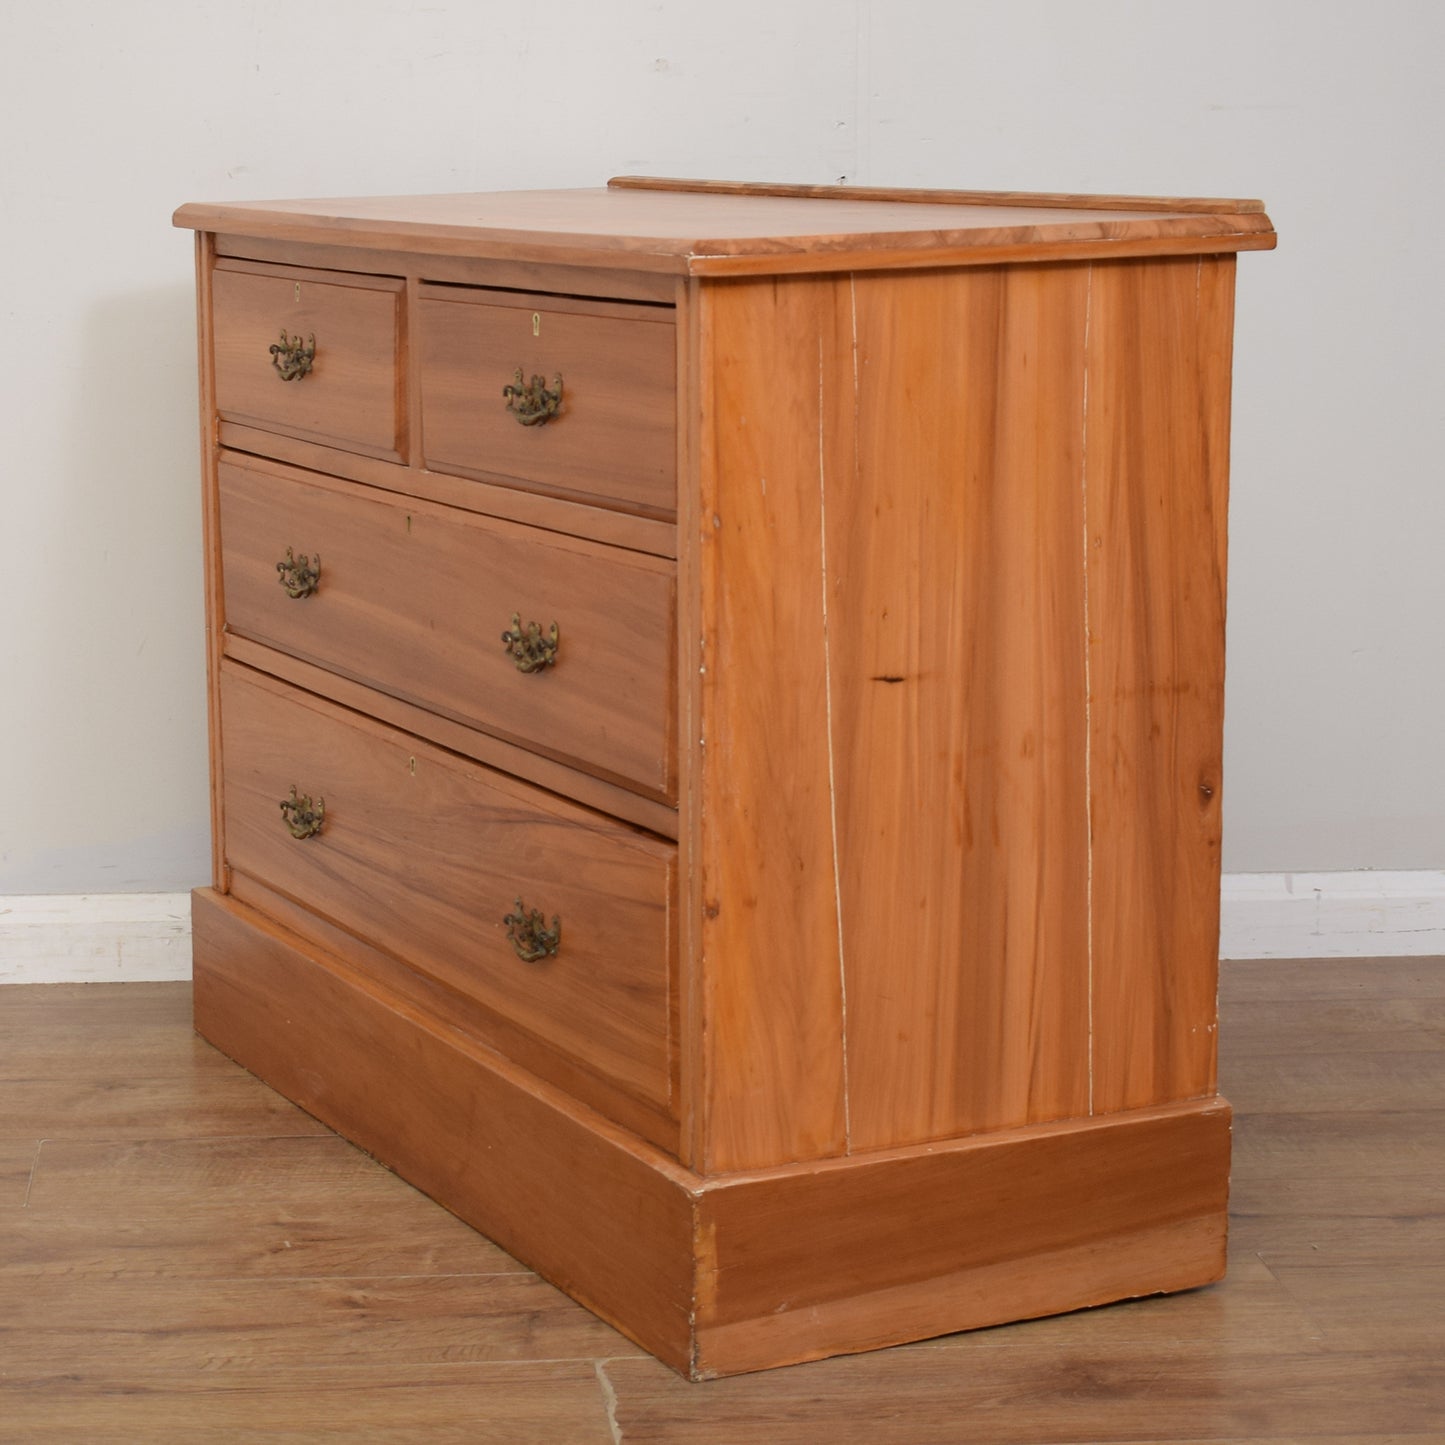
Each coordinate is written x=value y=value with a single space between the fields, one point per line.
x=1157 y=482
x=857 y=1254
x=955 y=578
x=771 y=980
x=602 y=1217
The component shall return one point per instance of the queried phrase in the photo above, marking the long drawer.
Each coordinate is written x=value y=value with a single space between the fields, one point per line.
x=413 y=598
x=566 y=396
x=555 y=919
x=315 y=354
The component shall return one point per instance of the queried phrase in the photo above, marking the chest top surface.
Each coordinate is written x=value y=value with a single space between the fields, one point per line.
x=723 y=228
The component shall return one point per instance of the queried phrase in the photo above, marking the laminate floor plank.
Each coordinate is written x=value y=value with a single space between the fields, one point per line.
x=17 y=1161
x=1354 y=1025
x=127 y=1328
x=234 y=1208
x=1357 y=1164
x=114 y=1106
x=1251 y=1305
x=186 y=1257
x=1298 y=982
x=1331 y=1083
x=166 y=1173
x=142 y=1028
x=508 y=1404
x=929 y=1395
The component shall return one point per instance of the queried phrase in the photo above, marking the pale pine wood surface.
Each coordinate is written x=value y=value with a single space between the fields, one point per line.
x=183 y=1275
x=413 y=599
x=407 y=821
x=681 y=232
x=955 y=622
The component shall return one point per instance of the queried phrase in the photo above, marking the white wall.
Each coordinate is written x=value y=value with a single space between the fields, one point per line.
x=114 y=114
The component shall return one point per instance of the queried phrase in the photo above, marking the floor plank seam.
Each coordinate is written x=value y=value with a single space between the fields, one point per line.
x=609 y=1399
x=30 y=1178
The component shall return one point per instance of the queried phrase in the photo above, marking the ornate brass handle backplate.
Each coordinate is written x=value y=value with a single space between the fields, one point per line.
x=529 y=646
x=292 y=357
x=529 y=935
x=300 y=576
x=531 y=402
x=303 y=816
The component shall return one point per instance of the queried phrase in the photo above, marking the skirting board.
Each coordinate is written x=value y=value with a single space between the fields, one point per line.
x=95 y=937
x=1365 y=914
x=145 y=937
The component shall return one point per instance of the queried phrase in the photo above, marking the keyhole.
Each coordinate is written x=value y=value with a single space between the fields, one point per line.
x=536 y=323
x=298 y=290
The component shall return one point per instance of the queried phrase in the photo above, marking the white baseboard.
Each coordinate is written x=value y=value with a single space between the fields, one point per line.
x=146 y=937
x=95 y=937
x=1332 y=915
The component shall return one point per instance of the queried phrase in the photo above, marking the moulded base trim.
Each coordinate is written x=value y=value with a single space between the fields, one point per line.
x=727 y=1273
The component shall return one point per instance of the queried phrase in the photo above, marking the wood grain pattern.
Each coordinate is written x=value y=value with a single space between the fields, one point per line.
x=1156 y=464
x=654 y=231
x=353 y=395
x=614 y=437
x=770 y=970
x=1047 y=199
x=1235 y=1395
x=604 y=1218
x=955 y=584
x=17 y=1160
x=457 y=1402
x=413 y=600
x=519 y=275
x=649 y=1119
x=868 y=1252
x=471 y=494
x=424 y=855
x=585 y=788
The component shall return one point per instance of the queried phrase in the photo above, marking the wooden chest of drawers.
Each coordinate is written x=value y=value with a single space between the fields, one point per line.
x=716 y=724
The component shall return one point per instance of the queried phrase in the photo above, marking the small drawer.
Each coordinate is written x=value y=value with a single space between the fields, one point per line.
x=414 y=599
x=601 y=422
x=313 y=354
x=555 y=920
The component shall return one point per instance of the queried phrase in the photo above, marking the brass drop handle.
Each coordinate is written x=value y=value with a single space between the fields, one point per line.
x=531 y=402
x=529 y=935
x=292 y=357
x=300 y=576
x=303 y=816
x=529 y=646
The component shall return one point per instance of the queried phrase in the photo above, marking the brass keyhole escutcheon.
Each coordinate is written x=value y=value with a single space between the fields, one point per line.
x=531 y=402
x=293 y=357
x=300 y=576
x=532 y=649
x=529 y=935
x=303 y=816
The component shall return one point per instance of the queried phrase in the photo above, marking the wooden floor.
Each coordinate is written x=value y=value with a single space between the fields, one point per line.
x=184 y=1256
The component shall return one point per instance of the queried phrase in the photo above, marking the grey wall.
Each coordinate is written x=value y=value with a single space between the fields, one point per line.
x=113 y=115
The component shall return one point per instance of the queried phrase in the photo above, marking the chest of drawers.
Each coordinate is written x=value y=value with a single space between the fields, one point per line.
x=716 y=723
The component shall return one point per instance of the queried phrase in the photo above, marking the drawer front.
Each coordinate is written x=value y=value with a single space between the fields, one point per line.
x=613 y=436
x=425 y=855
x=413 y=598
x=348 y=393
